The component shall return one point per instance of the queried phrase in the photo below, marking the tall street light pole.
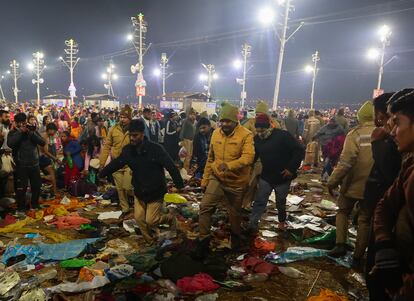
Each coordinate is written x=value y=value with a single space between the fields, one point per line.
x=246 y=52
x=38 y=66
x=138 y=40
x=211 y=75
x=110 y=76
x=314 y=69
x=14 y=67
x=1 y=88
x=164 y=66
x=71 y=60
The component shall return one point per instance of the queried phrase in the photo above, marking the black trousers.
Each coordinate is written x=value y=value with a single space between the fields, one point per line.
x=22 y=177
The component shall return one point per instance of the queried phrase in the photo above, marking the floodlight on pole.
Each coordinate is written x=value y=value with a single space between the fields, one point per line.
x=314 y=70
x=14 y=66
x=211 y=75
x=156 y=72
x=246 y=52
x=38 y=66
x=384 y=33
x=237 y=64
x=130 y=37
x=109 y=76
x=70 y=61
x=266 y=17
x=138 y=40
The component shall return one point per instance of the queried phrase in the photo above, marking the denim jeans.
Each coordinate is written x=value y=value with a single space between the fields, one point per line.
x=262 y=197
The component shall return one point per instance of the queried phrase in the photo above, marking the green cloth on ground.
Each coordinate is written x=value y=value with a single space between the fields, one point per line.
x=76 y=263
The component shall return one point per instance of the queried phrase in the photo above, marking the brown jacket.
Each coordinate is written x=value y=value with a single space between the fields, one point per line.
x=237 y=151
x=355 y=162
x=114 y=143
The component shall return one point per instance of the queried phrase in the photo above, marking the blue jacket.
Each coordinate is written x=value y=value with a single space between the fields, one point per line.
x=74 y=148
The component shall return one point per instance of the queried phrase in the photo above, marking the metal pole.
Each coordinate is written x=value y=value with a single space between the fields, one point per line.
x=14 y=65
x=381 y=69
x=38 y=77
x=1 y=89
x=246 y=53
x=281 y=56
x=140 y=57
x=315 y=60
x=164 y=62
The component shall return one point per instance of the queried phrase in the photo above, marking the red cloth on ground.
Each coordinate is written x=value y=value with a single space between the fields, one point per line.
x=8 y=220
x=71 y=174
x=198 y=283
x=257 y=265
x=72 y=221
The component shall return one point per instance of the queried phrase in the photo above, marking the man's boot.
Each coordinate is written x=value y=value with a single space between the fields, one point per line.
x=338 y=251
x=239 y=243
x=202 y=249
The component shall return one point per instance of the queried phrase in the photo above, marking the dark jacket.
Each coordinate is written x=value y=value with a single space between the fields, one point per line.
x=188 y=130
x=201 y=144
x=278 y=152
x=292 y=126
x=147 y=163
x=328 y=132
x=387 y=164
x=25 y=147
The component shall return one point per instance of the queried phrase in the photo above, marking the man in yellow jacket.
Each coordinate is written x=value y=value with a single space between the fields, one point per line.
x=117 y=138
x=226 y=176
x=352 y=173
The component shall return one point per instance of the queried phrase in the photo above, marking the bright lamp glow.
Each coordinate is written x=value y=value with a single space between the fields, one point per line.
x=104 y=76
x=115 y=76
x=203 y=77
x=384 y=32
x=215 y=76
x=130 y=37
x=8 y=72
x=30 y=66
x=237 y=64
x=373 y=54
x=266 y=16
x=308 y=69
x=281 y=2
x=156 y=72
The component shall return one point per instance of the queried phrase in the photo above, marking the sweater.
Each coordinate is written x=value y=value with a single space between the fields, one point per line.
x=147 y=162
x=25 y=147
x=278 y=152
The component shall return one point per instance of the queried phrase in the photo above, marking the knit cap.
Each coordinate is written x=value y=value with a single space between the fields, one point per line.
x=366 y=112
x=229 y=112
x=126 y=111
x=262 y=107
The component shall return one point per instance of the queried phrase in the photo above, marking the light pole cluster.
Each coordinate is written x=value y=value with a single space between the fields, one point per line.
x=384 y=34
x=38 y=66
x=138 y=40
x=109 y=76
x=1 y=88
x=14 y=67
x=314 y=70
x=71 y=60
x=209 y=77
x=162 y=72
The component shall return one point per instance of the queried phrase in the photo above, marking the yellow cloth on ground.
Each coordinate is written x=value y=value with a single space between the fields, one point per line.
x=328 y=295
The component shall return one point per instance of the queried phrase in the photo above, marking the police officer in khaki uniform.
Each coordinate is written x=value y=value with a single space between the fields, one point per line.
x=351 y=174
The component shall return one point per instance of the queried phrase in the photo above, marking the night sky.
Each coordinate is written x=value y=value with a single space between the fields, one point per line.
x=192 y=32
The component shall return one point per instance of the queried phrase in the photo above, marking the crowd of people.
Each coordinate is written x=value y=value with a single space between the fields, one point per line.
x=240 y=157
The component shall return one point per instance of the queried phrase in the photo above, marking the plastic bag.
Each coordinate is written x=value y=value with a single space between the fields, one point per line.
x=174 y=198
x=290 y=272
x=295 y=254
x=328 y=237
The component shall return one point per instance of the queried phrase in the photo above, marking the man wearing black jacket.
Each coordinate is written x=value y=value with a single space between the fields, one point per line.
x=280 y=155
x=24 y=141
x=147 y=161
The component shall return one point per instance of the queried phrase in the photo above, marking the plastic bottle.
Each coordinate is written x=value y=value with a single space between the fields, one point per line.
x=290 y=272
x=70 y=161
x=169 y=286
x=208 y=297
x=259 y=277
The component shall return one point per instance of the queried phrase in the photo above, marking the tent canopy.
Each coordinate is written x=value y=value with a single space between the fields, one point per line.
x=56 y=96
x=100 y=97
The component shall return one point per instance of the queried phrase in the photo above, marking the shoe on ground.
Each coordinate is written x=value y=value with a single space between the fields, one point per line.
x=338 y=251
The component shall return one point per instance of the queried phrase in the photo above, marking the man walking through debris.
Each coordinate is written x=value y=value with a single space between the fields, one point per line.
x=352 y=173
x=116 y=140
x=281 y=155
x=226 y=176
x=147 y=161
